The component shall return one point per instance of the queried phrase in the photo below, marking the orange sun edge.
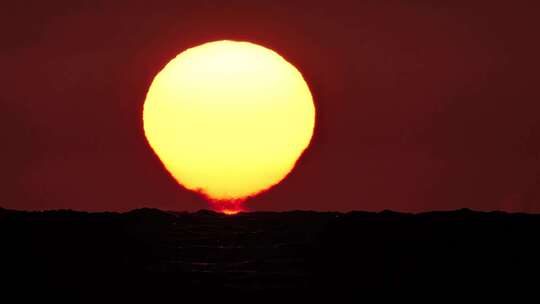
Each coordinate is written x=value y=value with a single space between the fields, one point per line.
x=234 y=206
x=230 y=206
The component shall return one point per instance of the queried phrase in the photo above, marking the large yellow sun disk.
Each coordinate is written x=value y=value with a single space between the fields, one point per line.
x=229 y=119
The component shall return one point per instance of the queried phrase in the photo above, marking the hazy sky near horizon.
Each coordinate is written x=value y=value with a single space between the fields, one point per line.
x=421 y=105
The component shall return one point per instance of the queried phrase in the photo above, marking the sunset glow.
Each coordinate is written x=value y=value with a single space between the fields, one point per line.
x=229 y=120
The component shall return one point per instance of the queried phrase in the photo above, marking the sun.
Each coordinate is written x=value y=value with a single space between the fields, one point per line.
x=229 y=119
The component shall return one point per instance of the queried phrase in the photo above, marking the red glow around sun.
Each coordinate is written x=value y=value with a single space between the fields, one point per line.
x=229 y=207
x=230 y=212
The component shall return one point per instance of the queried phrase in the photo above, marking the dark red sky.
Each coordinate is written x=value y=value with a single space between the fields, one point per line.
x=423 y=105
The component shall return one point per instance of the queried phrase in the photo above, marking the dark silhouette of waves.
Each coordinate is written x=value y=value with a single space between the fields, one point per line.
x=149 y=253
